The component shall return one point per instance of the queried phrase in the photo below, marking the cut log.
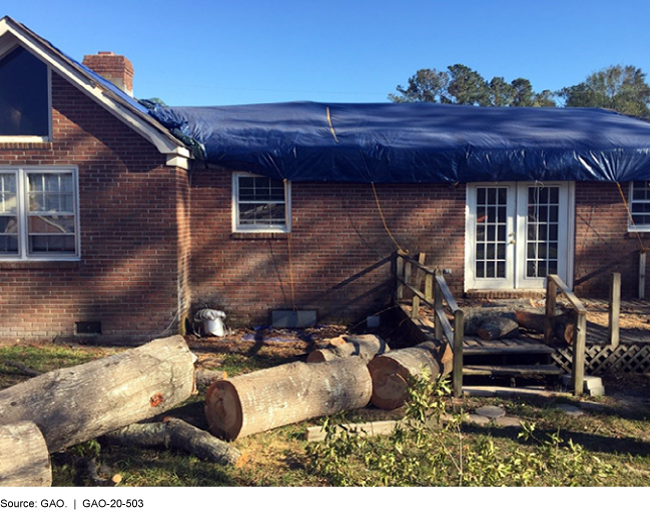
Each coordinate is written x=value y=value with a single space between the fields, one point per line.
x=564 y=330
x=177 y=434
x=391 y=373
x=286 y=394
x=475 y=317
x=24 y=458
x=80 y=403
x=531 y=320
x=499 y=327
x=365 y=346
x=205 y=377
x=563 y=324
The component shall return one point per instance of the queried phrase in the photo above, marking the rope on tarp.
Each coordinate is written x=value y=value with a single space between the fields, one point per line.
x=383 y=220
x=629 y=214
x=329 y=121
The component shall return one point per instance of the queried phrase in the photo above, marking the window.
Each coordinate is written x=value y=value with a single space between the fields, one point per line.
x=24 y=96
x=261 y=204
x=640 y=205
x=38 y=213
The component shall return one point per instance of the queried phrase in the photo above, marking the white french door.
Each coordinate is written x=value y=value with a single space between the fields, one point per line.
x=517 y=234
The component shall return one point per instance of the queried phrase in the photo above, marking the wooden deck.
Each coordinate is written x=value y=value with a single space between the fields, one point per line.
x=638 y=309
x=631 y=355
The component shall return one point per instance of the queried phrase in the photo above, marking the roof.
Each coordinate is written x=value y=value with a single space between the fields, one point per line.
x=116 y=101
x=417 y=142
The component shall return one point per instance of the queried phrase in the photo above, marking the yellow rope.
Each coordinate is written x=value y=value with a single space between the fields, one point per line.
x=629 y=214
x=329 y=121
x=383 y=219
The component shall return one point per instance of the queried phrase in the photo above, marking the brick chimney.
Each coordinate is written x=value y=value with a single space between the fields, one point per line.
x=115 y=68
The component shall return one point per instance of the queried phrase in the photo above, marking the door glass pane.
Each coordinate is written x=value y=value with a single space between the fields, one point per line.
x=542 y=231
x=491 y=231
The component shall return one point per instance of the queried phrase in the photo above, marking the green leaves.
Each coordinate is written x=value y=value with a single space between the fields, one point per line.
x=462 y=85
x=429 y=448
x=620 y=88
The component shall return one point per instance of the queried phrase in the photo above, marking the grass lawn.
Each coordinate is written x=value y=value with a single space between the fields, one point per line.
x=607 y=444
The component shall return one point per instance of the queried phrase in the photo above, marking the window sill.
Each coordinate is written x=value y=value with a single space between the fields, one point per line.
x=39 y=265
x=7 y=145
x=259 y=235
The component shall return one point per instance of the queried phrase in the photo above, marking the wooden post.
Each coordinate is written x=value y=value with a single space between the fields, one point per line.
x=419 y=273
x=417 y=284
x=551 y=300
x=399 y=276
x=428 y=287
x=459 y=337
x=408 y=267
x=642 y=261
x=579 y=342
x=614 y=309
x=437 y=306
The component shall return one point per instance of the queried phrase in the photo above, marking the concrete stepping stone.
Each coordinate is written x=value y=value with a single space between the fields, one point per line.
x=571 y=410
x=491 y=412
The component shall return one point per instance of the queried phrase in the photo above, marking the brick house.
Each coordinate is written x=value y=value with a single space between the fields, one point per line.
x=111 y=224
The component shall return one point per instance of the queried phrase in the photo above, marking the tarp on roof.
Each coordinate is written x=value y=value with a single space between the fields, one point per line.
x=417 y=142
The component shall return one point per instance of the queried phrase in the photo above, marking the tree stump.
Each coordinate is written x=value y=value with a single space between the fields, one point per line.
x=266 y=399
x=391 y=373
x=365 y=346
x=80 y=403
x=24 y=458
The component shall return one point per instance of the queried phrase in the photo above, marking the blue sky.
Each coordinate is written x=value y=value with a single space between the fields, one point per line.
x=219 y=52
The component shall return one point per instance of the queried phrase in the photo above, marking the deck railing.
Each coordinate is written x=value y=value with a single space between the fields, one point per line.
x=553 y=285
x=429 y=286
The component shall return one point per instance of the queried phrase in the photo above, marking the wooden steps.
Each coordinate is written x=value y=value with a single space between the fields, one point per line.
x=522 y=356
x=475 y=346
x=512 y=370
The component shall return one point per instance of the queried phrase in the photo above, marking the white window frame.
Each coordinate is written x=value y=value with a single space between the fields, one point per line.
x=22 y=212
x=31 y=138
x=636 y=227
x=238 y=227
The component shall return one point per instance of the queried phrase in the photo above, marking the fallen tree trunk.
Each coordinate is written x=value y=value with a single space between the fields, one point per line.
x=391 y=373
x=177 y=434
x=286 y=394
x=24 y=459
x=365 y=346
x=80 y=403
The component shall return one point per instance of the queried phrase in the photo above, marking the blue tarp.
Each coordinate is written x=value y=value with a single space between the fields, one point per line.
x=417 y=142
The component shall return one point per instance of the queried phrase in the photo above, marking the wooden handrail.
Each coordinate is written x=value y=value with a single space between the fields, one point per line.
x=436 y=293
x=446 y=293
x=553 y=284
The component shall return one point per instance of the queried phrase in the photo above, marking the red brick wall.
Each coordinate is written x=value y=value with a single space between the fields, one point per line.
x=340 y=250
x=130 y=252
x=602 y=243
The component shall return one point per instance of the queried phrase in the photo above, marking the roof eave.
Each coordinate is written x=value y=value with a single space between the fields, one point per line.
x=141 y=123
